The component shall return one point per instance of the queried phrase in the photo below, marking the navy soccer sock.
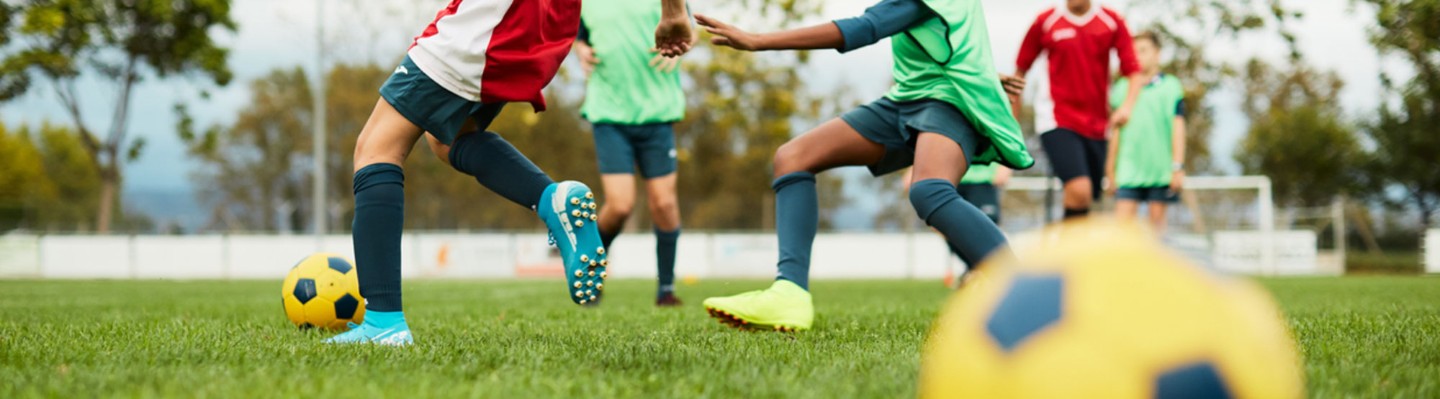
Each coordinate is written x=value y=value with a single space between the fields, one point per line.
x=1076 y=213
x=970 y=233
x=379 y=217
x=498 y=166
x=607 y=237
x=797 y=217
x=665 y=242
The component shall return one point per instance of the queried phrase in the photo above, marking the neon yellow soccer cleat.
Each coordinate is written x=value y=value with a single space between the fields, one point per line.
x=782 y=307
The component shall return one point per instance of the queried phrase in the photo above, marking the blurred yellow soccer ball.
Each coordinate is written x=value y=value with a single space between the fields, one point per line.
x=1100 y=309
x=322 y=291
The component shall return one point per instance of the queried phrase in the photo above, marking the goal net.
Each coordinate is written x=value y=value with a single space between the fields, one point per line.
x=1228 y=223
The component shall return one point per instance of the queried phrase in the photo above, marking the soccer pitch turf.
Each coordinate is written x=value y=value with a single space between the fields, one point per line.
x=1360 y=336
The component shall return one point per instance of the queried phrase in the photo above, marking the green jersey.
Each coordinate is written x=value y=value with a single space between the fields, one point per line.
x=1146 y=154
x=624 y=88
x=948 y=58
x=979 y=174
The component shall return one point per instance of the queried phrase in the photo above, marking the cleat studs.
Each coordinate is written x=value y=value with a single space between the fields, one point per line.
x=575 y=213
x=579 y=294
x=584 y=258
x=602 y=275
x=577 y=274
x=592 y=263
x=600 y=250
x=604 y=262
x=584 y=215
x=600 y=287
x=587 y=284
x=592 y=273
x=592 y=297
x=574 y=201
x=594 y=218
x=589 y=293
x=582 y=301
x=590 y=195
x=579 y=223
x=577 y=284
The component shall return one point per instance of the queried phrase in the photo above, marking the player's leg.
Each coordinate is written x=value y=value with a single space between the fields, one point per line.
x=786 y=305
x=498 y=166
x=1157 y=215
x=1068 y=159
x=656 y=156
x=939 y=163
x=1126 y=208
x=382 y=147
x=665 y=211
x=615 y=154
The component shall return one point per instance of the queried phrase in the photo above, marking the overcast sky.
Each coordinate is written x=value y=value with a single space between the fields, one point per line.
x=281 y=33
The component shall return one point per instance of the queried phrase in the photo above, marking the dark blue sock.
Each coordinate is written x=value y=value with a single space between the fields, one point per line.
x=970 y=233
x=498 y=166
x=956 y=251
x=607 y=237
x=665 y=259
x=797 y=216
x=379 y=217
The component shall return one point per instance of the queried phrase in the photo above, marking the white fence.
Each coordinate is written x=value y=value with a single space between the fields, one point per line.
x=1432 y=251
x=457 y=255
x=499 y=255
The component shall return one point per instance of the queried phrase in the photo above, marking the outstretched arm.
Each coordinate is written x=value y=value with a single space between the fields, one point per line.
x=884 y=19
x=673 y=37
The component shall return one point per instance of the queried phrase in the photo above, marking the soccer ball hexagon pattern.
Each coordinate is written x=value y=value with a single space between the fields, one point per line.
x=322 y=291
x=1101 y=309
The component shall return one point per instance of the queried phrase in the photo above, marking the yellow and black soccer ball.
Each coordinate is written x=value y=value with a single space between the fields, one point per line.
x=1100 y=309
x=322 y=291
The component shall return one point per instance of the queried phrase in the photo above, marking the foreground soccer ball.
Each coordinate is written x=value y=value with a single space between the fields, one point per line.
x=1100 y=309
x=322 y=291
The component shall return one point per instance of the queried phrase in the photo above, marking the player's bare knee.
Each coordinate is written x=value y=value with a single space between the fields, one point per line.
x=789 y=159
x=441 y=150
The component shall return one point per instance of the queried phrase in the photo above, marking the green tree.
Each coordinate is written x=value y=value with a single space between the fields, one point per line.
x=1402 y=165
x=1297 y=136
x=119 y=41
x=24 y=186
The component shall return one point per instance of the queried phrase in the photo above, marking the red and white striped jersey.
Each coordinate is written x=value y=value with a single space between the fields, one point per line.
x=493 y=51
x=1078 y=51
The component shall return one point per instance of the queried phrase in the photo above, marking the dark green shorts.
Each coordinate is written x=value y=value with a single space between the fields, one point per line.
x=897 y=126
x=622 y=148
x=1161 y=194
x=984 y=196
x=431 y=107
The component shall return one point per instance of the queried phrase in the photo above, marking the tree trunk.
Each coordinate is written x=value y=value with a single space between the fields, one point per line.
x=108 y=186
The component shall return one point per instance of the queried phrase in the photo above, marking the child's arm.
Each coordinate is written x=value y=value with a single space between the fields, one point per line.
x=1002 y=176
x=584 y=51
x=1177 y=153
x=673 y=37
x=880 y=21
x=1111 y=155
x=1130 y=67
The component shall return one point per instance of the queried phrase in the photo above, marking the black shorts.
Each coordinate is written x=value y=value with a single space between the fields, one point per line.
x=1161 y=194
x=1073 y=156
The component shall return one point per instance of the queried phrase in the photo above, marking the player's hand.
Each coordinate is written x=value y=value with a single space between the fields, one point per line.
x=1014 y=85
x=727 y=35
x=1109 y=183
x=664 y=64
x=1120 y=117
x=673 y=36
x=1177 y=181
x=588 y=61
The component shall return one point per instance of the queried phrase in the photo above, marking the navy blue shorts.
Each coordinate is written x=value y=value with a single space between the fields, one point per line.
x=431 y=107
x=1074 y=156
x=620 y=149
x=897 y=126
x=1148 y=194
x=984 y=196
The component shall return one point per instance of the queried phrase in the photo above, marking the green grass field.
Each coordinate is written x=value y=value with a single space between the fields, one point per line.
x=1367 y=337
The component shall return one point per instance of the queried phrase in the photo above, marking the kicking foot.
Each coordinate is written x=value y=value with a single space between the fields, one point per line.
x=365 y=333
x=667 y=300
x=782 y=307
x=569 y=211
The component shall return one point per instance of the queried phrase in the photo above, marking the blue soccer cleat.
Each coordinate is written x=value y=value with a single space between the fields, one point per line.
x=366 y=333
x=569 y=210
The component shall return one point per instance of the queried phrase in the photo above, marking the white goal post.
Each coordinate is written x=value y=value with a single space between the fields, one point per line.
x=1432 y=251
x=1256 y=248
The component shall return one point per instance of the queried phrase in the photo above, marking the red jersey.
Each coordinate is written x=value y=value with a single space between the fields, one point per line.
x=492 y=51
x=1078 y=48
